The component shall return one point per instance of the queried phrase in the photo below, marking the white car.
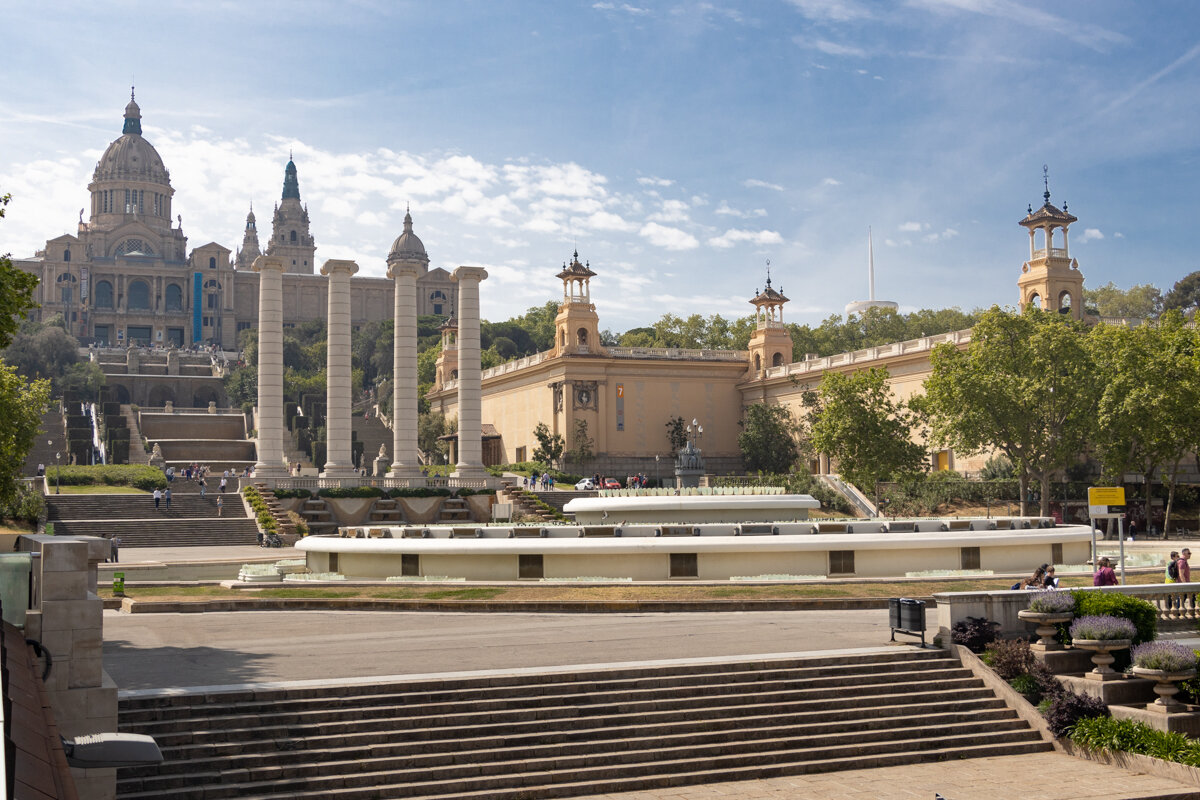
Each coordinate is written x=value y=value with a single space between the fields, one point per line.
x=585 y=485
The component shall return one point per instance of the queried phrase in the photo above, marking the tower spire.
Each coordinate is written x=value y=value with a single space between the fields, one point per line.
x=1046 y=181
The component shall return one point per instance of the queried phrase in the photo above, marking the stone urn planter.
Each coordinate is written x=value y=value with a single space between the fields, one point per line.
x=1102 y=656
x=1047 y=625
x=1165 y=688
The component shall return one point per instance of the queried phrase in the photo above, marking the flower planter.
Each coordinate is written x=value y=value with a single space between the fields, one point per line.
x=1165 y=688
x=1102 y=658
x=1047 y=625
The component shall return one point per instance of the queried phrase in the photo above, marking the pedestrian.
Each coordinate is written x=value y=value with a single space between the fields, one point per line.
x=170 y=474
x=157 y=498
x=1104 y=575
x=1132 y=528
x=224 y=483
x=1173 y=568
x=114 y=548
x=203 y=488
x=167 y=498
x=41 y=470
x=1185 y=568
x=220 y=504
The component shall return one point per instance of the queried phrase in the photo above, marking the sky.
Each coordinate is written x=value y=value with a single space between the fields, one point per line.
x=679 y=145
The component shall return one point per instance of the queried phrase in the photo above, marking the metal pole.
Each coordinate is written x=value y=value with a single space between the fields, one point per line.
x=1121 y=534
x=1092 y=526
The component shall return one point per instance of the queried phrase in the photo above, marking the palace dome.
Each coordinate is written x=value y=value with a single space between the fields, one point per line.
x=407 y=245
x=131 y=157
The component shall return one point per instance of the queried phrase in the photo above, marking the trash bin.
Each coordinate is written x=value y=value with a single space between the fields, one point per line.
x=894 y=613
x=907 y=616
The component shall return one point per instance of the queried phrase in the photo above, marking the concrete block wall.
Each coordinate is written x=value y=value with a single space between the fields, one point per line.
x=67 y=618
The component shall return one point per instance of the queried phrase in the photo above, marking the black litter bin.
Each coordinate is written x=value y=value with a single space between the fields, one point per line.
x=907 y=616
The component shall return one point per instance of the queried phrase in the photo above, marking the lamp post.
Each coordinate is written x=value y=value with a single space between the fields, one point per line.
x=657 y=481
x=58 y=472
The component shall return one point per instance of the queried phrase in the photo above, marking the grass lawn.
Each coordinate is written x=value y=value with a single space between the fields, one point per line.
x=615 y=593
x=100 y=489
x=15 y=527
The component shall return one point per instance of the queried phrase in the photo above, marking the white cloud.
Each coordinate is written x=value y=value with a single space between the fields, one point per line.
x=949 y=233
x=604 y=221
x=1092 y=36
x=831 y=10
x=912 y=227
x=1091 y=234
x=671 y=211
x=667 y=237
x=653 y=181
x=1118 y=235
x=628 y=9
x=735 y=236
x=829 y=48
x=831 y=182
x=755 y=183
x=727 y=211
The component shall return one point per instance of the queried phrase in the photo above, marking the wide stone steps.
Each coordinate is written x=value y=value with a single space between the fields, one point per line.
x=570 y=732
x=166 y=532
x=96 y=507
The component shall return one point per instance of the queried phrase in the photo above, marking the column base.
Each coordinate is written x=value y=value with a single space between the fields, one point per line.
x=270 y=471
x=469 y=471
x=334 y=471
x=405 y=471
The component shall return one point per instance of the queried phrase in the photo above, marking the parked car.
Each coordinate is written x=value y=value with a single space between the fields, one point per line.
x=585 y=485
x=612 y=483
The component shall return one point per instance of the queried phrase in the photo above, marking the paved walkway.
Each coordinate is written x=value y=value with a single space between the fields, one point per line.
x=1052 y=775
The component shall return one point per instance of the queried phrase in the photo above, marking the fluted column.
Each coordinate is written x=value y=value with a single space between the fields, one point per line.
x=405 y=458
x=470 y=416
x=339 y=452
x=270 y=367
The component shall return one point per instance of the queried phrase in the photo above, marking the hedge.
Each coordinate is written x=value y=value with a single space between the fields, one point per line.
x=138 y=476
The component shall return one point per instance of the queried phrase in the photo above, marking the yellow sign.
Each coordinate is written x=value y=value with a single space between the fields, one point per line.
x=620 y=390
x=1106 y=496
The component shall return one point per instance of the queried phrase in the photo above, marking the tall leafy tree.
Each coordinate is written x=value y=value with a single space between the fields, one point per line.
x=1185 y=294
x=1025 y=386
x=858 y=421
x=1149 y=407
x=1142 y=301
x=769 y=438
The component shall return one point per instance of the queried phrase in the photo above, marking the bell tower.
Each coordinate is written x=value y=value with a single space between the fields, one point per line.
x=771 y=342
x=1050 y=279
x=290 y=237
x=577 y=327
x=446 y=365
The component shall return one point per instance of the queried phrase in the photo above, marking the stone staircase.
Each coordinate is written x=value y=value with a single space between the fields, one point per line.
x=318 y=516
x=559 y=499
x=454 y=511
x=191 y=522
x=50 y=439
x=511 y=493
x=386 y=511
x=137 y=451
x=571 y=733
x=372 y=433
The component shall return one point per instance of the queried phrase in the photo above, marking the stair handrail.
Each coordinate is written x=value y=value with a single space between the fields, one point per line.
x=851 y=492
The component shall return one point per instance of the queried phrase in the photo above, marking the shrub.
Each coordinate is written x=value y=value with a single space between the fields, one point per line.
x=419 y=491
x=1052 y=602
x=27 y=505
x=356 y=491
x=1102 y=627
x=468 y=492
x=1027 y=685
x=1102 y=733
x=974 y=633
x=1009 y=658
x=301 y=493
x=1069 y=708
x=139 y=476
x=1142 y=614
x=1167 y=656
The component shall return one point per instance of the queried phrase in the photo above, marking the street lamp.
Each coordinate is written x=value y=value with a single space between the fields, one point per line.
x=58 y=472
x=657 y=482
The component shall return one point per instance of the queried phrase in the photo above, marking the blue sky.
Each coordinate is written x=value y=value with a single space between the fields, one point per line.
x=678 y=144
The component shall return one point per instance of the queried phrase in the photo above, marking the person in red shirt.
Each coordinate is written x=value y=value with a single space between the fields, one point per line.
x=1105 y=575
x=1185 y=569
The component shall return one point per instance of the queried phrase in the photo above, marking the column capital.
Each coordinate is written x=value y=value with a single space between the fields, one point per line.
x=337 y=265
x=398 y=267
x=272 y=263
x=461 y=274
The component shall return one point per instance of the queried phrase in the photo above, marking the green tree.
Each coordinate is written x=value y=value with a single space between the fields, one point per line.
x=430 y=427
x=1141 y=301
x=550 y=445
x=582 y=446
x=676 y=433
x=1149 y=407
x=768 y=440
x=858 y=422
x=1025 y=386
x=16 y=291
x=1185 y=294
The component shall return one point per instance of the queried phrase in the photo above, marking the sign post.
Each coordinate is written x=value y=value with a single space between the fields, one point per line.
x=1107 y=503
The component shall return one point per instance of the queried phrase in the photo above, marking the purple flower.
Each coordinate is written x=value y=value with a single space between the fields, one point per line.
x=1167 y=656
x=1052 y=602
x=1102 y=627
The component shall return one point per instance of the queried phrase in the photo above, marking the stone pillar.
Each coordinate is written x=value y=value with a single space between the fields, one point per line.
x=339 y=454
x=270 y=367
x=406 y=462
x=470 y=416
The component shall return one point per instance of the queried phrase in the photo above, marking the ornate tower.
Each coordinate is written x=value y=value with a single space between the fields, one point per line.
x=771 y=342
x=290 y=239
x=249 y=249
x=577 y=327
x=446 y=366
x=1050 y=279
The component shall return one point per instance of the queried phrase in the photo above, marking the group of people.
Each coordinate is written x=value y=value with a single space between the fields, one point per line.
x=190 y=472
x=1042 y=578
x=543 y=482
x=636 y=481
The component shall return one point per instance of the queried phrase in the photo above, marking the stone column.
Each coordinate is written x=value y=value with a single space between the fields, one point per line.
x=470 y=417
x=405 y=460
x=270 y=367
x=339 y=454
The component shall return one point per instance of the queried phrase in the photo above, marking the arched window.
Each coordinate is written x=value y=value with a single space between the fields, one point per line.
x=134 y=247
x=293 y=237
x=582 y=335
x=757 y=363
x=777 y=360
x=139 y=296
x=174 y=297
x=103 y=294
x=1036 y=301
x=1064 y=302
x=453 y=374
x=212 y=263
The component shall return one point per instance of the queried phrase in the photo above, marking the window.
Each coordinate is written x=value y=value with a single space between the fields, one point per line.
x=139 y=296
x=1056 y=553
x=244 y=326
x=103 y=295
x=969 y=558
x=582 y=334
x=333 y=562
x=841 y=562
x=530 y=565
x=66 y=255
x=777 y=360
x=64 y=294
x=521 y=455
x=683 y=565
x=134 y=247
x=293 y=237
x=437 y=309
x=757 y=363
x=174 y=297
x=212 y=301
x=410 y=564
x=207 y=322
x=212 y=263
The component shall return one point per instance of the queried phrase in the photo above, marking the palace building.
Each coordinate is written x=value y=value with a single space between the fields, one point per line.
x=126 y=275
